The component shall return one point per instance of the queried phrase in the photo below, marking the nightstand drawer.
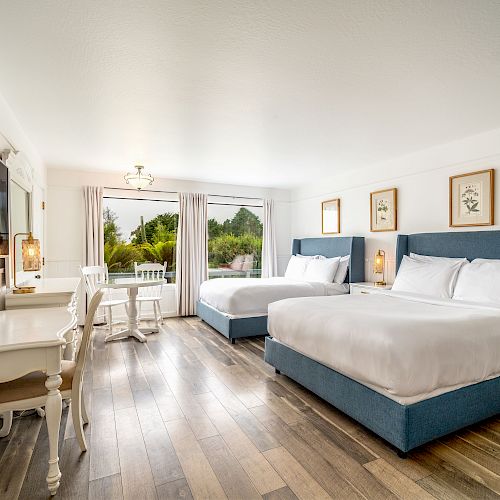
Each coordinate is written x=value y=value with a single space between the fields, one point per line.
x=367 y=288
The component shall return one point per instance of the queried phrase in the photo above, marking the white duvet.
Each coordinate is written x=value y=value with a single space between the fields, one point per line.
x=247 y=297
x=406 y=347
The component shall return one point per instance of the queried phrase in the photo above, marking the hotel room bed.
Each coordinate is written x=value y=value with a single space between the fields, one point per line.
x=408 y=367
x=247 y=297
x=237 y=307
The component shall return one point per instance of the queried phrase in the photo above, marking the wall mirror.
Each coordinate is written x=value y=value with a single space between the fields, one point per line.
x=20 y=217
x=330 y=216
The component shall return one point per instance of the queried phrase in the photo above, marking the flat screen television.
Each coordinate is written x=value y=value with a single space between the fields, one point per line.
x=4 y=209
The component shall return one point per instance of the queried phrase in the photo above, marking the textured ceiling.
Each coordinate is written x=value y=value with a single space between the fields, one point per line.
x=266 y=93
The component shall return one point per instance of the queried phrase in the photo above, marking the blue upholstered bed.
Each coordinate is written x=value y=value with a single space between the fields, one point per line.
x=404 y=426
x=234 y=328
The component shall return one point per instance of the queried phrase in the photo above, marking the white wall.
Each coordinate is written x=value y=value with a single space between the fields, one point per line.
x=65 y=213
x=422 y=181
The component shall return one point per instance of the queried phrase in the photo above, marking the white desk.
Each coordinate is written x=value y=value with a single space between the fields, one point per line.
x=132 y=285
x=32 y=340
x=50 y=292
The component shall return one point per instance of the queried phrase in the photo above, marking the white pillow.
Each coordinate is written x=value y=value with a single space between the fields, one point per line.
x=479 y=281
x=434 y=278
x=297 y=267
x=322 y=270
x=342 y=269
x=431 y=258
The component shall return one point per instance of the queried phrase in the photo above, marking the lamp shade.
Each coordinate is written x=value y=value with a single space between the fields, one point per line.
x=379 y=262
x=139 y=179
x=31 y=254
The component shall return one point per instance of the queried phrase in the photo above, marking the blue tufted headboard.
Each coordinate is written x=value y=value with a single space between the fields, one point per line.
x=336 y=247
x=470 y=244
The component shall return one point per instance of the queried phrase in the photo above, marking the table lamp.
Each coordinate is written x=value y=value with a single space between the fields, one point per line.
x=379 y=267
x=31 y=260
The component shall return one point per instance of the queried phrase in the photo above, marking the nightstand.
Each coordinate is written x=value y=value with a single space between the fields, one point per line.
x=367 y=287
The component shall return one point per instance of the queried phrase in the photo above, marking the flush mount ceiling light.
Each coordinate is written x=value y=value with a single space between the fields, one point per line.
x=139 y=180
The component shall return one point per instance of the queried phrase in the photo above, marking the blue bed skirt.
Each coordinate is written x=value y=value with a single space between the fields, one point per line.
x=404 y=426
x=232 y=328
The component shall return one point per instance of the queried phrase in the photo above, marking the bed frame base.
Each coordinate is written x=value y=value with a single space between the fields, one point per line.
x=232 y=328
x=404 y=426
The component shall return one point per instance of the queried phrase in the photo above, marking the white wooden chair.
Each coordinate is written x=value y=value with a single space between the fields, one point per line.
x=30 y=392
x=151 y=294
x=92 y=276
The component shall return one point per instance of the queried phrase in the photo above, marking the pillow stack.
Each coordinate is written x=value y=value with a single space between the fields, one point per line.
x=317 y=268
x=444 y=277
x=426 y=275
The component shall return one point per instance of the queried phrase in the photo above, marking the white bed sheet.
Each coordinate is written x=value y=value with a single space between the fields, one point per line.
x=407 y=347
x=249 y=297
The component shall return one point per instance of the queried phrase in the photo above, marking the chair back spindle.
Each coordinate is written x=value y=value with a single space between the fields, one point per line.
x=92 y=277
x=150 y=272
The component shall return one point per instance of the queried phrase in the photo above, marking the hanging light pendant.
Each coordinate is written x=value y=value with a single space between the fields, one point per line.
x=139 y=180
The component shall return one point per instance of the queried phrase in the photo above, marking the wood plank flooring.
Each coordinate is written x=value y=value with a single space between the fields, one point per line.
x=187 y=415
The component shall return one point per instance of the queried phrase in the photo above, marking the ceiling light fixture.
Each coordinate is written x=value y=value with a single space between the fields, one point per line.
x=139 y=180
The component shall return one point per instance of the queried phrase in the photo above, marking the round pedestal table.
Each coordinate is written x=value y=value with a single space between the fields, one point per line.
x=132 y=285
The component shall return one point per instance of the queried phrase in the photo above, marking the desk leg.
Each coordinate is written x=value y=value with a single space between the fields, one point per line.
x=53 y=410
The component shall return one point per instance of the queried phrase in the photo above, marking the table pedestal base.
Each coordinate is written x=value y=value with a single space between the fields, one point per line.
x=137 y=333
x=133 y=329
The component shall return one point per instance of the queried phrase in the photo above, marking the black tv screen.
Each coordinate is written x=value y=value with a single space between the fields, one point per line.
x=4 y=209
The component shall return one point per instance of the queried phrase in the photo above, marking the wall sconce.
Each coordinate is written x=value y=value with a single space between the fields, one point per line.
x=379 y=267
x=31 y=260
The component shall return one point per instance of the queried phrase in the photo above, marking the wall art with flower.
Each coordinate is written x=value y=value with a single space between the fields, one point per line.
x=471 y=199
x=383 y=210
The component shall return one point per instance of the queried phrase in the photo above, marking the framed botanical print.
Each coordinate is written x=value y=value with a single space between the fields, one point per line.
x=472 y=199
x=330 y=216
x=384 y=210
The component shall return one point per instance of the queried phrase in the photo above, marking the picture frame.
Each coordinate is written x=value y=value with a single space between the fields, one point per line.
x=384 y=210
x=330 y=216
x=472 y=199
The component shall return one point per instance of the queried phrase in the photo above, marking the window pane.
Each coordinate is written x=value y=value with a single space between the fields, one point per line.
x=139 y=231
x=234 y=241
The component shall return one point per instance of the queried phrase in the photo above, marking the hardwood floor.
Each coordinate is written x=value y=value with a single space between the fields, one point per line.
x=187 y=415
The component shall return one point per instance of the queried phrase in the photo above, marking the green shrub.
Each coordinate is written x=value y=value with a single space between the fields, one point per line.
x=223 y=249
x=120 y=257
x=162 y=251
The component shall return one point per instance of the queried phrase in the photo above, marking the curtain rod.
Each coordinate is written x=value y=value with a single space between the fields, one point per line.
x=177 y=192
x=175 y=201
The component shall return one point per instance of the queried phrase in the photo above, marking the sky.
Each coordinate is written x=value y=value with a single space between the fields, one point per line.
x=130 y=211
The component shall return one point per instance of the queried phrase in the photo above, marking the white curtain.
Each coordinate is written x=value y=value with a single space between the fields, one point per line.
x=192 y=251
x=269 y=259
x=94 y=226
